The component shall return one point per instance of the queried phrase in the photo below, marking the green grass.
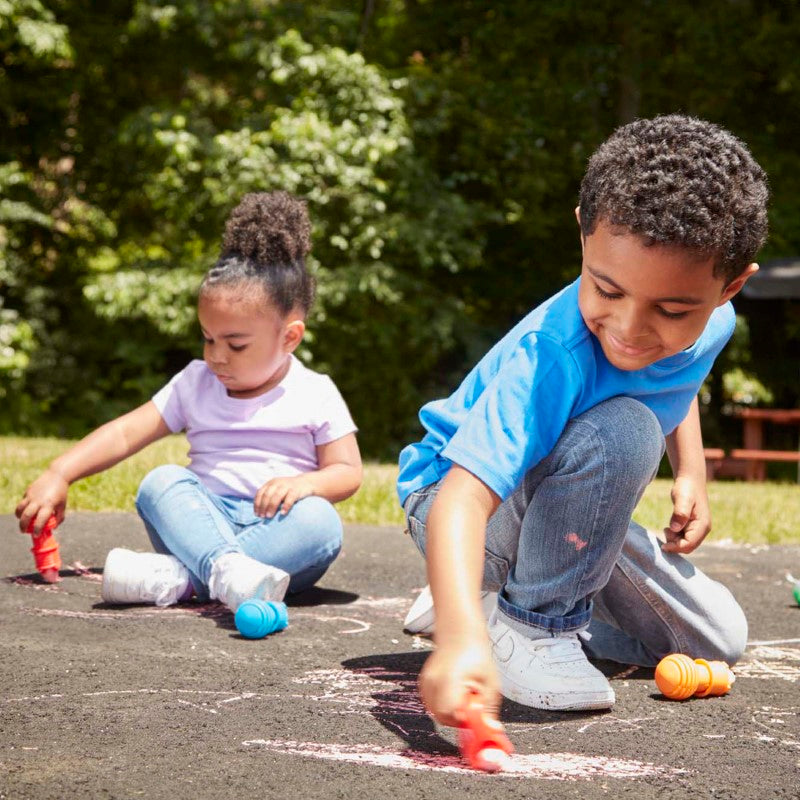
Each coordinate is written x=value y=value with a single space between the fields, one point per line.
x=755 y=513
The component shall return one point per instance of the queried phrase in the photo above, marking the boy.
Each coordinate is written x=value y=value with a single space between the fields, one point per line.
x=528 y=474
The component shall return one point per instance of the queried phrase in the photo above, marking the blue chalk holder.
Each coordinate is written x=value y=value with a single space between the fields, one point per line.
x=256 y=619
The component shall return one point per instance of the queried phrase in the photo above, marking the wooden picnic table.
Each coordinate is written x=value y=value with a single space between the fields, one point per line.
x=753 y=452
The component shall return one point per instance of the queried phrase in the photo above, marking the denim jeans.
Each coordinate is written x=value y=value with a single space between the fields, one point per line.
x=565 y=556
x=186 y=520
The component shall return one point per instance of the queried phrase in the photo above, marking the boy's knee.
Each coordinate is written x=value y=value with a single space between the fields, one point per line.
x=727 y=639
x=158 y=480
x=629 y=432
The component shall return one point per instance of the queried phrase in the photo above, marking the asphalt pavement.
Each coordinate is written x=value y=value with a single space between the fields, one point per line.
x=100 y=701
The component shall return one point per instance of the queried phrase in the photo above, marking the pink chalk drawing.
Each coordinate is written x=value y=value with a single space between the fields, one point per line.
x=33 y=583
x=542 y=766
x=205 y=610
x=365 y=690
x=573 y=538
x=82 y=571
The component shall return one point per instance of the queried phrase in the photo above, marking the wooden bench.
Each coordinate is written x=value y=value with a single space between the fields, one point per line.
x=715 y=457
x=750 y=461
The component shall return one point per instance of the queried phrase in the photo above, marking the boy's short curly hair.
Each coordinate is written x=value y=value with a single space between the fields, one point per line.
x=678 y=180
x=267 y=238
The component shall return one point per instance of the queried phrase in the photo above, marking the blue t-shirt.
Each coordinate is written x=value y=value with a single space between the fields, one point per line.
x=513 y=406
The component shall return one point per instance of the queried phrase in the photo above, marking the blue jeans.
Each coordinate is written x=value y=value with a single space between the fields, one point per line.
x=565 y=556
x=186 y=520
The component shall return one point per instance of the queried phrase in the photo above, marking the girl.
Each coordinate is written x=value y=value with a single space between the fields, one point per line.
x=272 y=444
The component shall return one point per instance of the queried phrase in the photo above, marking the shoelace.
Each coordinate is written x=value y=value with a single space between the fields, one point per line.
x=562 y=649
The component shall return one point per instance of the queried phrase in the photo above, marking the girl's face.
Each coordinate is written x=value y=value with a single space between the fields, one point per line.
x=247 y=342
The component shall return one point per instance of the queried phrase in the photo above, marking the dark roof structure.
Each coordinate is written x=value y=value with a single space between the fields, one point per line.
x=775 y=280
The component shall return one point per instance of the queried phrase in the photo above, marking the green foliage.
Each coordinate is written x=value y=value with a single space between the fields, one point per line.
x=440 y=152
x=752 y=513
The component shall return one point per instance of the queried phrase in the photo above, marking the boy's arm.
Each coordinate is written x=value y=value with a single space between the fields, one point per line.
x=102 y=448
x=338 y=477
x=456 y=533
x=691 y=515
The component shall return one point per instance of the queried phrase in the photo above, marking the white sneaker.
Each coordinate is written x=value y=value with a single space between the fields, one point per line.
x=130 y=577
x=551 y=673
x=236 y=577
x=420 y=617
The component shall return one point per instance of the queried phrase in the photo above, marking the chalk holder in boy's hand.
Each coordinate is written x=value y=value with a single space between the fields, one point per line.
x=45 y=551
x=481 y=739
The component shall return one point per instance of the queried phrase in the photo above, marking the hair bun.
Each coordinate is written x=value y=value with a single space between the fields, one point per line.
x=269 y=228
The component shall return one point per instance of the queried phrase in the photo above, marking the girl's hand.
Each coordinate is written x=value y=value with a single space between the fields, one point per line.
x=46 y=496
x=691 y=516
x=450 y=672
x=281 y=494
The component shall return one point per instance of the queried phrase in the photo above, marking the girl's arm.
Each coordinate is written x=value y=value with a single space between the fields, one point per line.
x=691 y=515
x=102 y=448
x=456 y=534
x=338 y=477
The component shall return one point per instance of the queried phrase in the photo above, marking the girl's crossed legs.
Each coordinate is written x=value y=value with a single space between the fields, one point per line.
x=183 y=518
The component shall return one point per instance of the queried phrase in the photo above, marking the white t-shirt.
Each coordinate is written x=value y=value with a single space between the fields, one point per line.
x=236 y=445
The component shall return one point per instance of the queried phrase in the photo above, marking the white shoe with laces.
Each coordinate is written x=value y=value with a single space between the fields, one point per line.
x=420 y=617
x=551 y=673
x=236 y=577
x=130 y=577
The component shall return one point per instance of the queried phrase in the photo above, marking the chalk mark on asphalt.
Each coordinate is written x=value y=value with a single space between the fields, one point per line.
x=766 y=661
x=778 y=721
x=543 y=766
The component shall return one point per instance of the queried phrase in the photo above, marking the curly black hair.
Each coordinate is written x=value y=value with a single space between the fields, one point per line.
x=678 y=180
x=267 y=238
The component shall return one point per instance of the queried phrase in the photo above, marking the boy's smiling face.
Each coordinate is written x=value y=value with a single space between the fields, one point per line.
x=645 y=303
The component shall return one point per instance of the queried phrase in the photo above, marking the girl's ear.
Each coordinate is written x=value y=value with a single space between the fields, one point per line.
x=293 y=334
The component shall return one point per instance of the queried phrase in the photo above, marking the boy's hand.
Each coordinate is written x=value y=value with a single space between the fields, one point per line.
x=691 y=516
x=450 y=672
x=281 y=494
x=46 y=496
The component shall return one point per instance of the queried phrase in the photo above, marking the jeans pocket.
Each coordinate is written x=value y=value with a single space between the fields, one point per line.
x=418 y=533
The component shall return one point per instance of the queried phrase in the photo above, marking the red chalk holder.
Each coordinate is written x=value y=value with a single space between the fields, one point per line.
x=45 y=551
x=481 y=739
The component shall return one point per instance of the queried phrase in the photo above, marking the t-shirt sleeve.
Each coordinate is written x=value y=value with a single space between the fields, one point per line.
x=169 y=404
x=334 y=420
x=519 y=416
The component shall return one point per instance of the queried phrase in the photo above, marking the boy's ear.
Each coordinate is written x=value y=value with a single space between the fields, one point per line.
x=735 y=286
x=293 y=335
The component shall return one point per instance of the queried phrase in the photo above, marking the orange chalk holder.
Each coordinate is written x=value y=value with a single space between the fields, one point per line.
x=679 y=677
x=45 y=551
x=481 y=739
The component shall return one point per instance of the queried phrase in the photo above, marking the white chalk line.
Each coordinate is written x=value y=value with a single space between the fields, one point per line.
x=768 y=718
x=229 y=697
x=542 y=766
x=773 y=641
x=764 y=660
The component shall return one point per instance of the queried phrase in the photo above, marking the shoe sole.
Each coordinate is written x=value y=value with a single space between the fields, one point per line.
x=549 y=701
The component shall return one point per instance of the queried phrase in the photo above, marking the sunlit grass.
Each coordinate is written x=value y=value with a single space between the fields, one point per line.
x=756 y=513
